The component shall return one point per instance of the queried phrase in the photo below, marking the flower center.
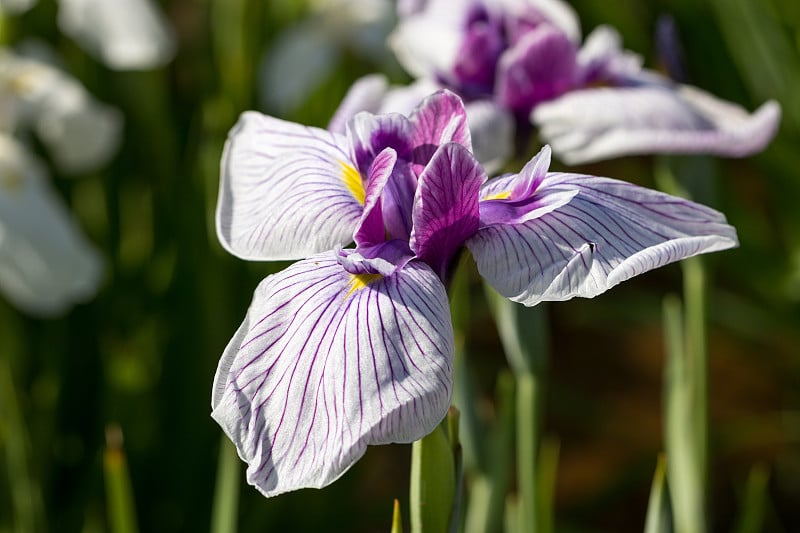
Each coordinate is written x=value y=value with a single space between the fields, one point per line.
x=352 y=180
x=360 y=281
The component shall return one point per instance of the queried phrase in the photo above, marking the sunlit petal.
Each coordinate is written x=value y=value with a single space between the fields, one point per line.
x=287 y=191
x=326 y=363
x=446 y=206
x=595 y=124
x=607 y=232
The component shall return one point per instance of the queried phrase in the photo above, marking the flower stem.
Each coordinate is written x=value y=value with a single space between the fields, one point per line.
x=226 y=493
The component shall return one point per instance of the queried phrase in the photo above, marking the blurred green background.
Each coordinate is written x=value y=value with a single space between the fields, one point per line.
x=141 y=356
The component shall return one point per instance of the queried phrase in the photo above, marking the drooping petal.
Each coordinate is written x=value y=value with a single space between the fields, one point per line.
x=446 y=206
x=540 y=67
x=602 y=123
x=328 y=362
x=46 y=264
x=286 y=191
x=609 y=231
x=124 y=34
x=440 y=119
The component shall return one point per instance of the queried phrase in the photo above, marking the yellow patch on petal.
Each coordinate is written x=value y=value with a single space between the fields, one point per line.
x=352 y=180
x=359 y=281
x=499 y=196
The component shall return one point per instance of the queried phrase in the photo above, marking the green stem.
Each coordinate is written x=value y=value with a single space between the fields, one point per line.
x=226 y=493
x=119 y=493
x=694 y=294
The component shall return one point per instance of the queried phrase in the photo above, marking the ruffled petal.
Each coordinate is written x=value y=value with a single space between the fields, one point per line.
x=609 y=231
x=46 y=264
x=595 y=124
x=440 y=119
x=446 y=206
x=326 y=363
x=286 y=191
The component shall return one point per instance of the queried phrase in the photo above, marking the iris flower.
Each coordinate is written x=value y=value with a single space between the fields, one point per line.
x=46 y=264
x=80 y=133
x=350 y=347
x=590 y=101
x=123 y=34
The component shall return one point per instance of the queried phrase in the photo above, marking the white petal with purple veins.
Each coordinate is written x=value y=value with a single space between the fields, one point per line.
x=286 y=191
x=327 y=363
x=595 y=124
x=608 y=232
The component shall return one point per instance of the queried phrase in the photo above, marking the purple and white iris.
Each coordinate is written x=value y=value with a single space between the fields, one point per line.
x=351 y=347
x=594 y=101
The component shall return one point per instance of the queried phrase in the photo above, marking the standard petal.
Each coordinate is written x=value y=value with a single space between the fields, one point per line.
x=46 y=264
x=440 y=119
x=371 y=229
x=446 y=206
x=328 y=362
x=427 y=42
x=540 y=67
x=595 y=124
x=608 y=232
x=124 y=34
x=286 y=191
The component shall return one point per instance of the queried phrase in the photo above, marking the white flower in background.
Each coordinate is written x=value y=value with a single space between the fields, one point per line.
x=16 y=6
x=304 y=55
x=46 y=264
x=80 y=133
x=123 y=34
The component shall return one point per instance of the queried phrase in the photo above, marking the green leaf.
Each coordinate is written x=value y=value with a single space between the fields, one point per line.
x=397 y=518
x=433 y=482
x=753 y=510
x=119 y=494
x=659 y=517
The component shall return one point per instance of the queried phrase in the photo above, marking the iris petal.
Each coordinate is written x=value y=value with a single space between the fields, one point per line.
x=328 y=362
x=609 y=231
x=446 y=205
x=602 y=123
x=287 y=191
